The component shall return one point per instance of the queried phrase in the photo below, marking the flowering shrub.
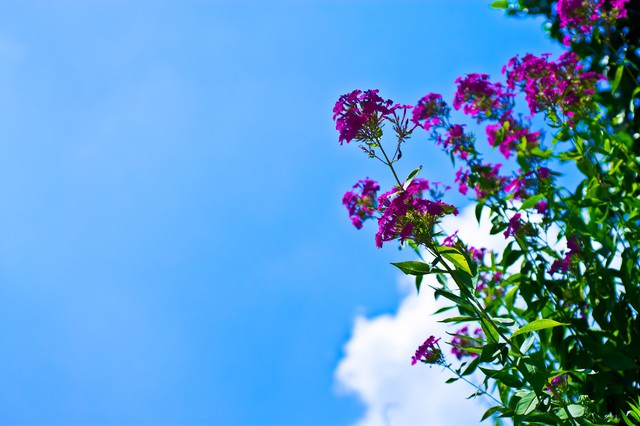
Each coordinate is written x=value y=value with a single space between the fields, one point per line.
x=554 y=329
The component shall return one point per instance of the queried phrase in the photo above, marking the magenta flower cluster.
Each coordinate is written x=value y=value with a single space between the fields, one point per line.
x=507 y=134
x=482 y=99
x=362 y=204
x=489 y=285
x=579 y=18
x=428 y=352
x=557 y=383
x=573 y=244
x=429 y=111
x=354 y=110
x=547 y=84
x=462 y=341
x=397 y=204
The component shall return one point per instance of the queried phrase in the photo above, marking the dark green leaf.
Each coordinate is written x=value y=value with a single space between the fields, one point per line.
x=503 y=377
x=413 y=267
x=453 y=297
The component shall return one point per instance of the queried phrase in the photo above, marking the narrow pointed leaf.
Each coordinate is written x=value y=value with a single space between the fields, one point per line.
x=539 y=324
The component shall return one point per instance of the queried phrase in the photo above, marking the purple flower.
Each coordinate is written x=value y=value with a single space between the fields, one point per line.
x=542 y=206
x=480 y=98
x=353 y=111
x=431 y=109
x=558 y=382
x=397 y=204
x=477 y=254
x=461 y=180
x=514 y=225
x=543 y=173
x=429 y=352
x=507 y=134
x=618 y=8
x=548 y=84
x=573 y=244
x=361 y=205
x=450 y=239
x=462 y=341
x=489 y=285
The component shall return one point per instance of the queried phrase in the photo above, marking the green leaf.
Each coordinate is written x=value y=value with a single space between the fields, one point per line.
x=526 y=345
x=459 y=320
x=478 y=210
x=454 y=256
x=500 y=4
x=539 y=324
x=453 y=297
x=575 y=410
x=489 y=330
x=504 y=321
x=491 y=411
x=531 y=201
x=413 y=267
x=510 y=257
x=528 y=402
x=632 y=103
x=418 y=282
x=409 y=179
x=617 y=78
x=503 y=377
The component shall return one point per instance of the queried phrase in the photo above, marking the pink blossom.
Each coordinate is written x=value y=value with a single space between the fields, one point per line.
x=463 y=340
x=431 y=109
x=397 y=203
x=353 y=110
x=514 y=225
x=361 y=204
x=429 y=352
x=480 y=98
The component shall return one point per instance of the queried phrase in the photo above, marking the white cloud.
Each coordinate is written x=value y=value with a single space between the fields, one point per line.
x=377 y=362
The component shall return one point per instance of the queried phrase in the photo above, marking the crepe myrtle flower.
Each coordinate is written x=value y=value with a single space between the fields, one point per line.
x=407 y=215
x=542 y=207
x=361 y=204
x=489 y=285
x=429 y=352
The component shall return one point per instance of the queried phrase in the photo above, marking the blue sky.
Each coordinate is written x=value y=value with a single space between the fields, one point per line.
x=172 y=245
